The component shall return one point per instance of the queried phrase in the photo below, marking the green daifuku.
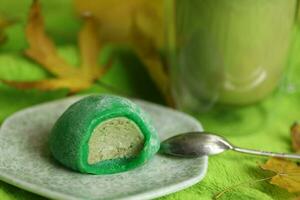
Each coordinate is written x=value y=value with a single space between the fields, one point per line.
x=103 y=134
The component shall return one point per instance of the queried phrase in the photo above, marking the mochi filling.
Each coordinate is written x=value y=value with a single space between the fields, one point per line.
x=115 y=138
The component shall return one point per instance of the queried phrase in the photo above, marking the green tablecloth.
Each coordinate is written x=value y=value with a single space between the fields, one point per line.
x=262 y=126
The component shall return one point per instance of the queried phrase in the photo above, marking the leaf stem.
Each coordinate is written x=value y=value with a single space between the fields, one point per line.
x=218 y=195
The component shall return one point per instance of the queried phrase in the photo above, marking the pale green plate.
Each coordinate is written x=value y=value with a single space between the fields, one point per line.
x=26 y=162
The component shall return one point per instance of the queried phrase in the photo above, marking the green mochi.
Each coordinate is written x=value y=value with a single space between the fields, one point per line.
x=70 y=136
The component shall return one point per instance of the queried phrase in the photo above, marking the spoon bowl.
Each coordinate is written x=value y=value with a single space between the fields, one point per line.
x=195 y=144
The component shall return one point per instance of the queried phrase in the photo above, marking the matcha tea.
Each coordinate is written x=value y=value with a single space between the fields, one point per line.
x=228 y=51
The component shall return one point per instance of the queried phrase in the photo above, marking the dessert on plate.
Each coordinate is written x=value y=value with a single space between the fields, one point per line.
x=103 y=134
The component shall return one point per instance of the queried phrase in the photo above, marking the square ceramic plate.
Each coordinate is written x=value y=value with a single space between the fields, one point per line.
x=26 y=162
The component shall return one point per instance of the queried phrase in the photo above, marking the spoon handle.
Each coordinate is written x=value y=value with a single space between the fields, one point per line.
x=267 y=153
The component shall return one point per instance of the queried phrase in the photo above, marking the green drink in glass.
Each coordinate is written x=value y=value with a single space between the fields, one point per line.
x=227 y=51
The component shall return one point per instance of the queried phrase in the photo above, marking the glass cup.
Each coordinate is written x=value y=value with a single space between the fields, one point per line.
x=231 y=52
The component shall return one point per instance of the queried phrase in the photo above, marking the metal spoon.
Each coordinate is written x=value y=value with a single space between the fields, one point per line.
x=197 y=144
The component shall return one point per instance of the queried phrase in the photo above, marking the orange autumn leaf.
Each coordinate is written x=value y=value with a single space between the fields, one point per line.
x=73 y=85
x=287 y=173
x=144 y=47
x=295 y=134
x=115 y=18
x=138 y=23
x=43 y=51
x=41 y=48
x=89 y=46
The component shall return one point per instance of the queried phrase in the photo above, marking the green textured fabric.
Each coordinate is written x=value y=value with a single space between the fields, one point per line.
x=262 y=126
x=69 y=139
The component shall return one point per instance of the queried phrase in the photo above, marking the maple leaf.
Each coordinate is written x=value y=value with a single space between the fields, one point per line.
x=287 y=173
x=144 y=46
x=115 y=18
x=138 y=23
x=43 y=51
x=295 y=134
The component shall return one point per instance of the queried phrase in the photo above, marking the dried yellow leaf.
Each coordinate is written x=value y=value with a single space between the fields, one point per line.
x=144 y=46
x=114 y=17
x=41 y=48
x=74 y=85
x=43 y=51
x=89 y=45
x=138 y=23
x=287 y=173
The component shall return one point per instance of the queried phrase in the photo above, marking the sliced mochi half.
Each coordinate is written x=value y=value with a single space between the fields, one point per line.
x=103 y=134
